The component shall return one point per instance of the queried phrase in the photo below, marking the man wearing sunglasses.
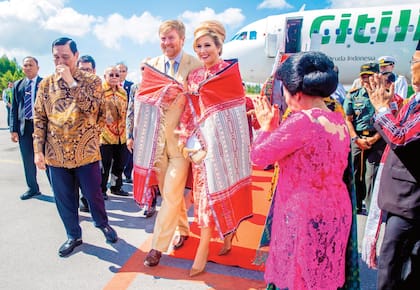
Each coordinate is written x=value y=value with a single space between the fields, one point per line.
x=113 y=136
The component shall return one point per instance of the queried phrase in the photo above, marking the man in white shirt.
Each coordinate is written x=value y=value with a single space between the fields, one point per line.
x=387 y=64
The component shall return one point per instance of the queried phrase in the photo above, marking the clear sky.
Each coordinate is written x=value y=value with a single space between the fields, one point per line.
x=127 y=30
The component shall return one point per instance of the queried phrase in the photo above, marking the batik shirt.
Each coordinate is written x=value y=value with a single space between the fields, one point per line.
x=68 y=121
x=115 y=113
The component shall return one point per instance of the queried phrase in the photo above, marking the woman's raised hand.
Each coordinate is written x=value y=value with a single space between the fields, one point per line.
x=268 y=116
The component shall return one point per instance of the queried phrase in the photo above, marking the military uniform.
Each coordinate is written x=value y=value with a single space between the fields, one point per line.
x=365 y=162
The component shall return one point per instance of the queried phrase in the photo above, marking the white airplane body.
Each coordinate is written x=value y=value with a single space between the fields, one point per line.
x=350 y=37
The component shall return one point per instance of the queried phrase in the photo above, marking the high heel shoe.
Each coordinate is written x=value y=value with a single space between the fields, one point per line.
x=195 y=272
x=225 y=250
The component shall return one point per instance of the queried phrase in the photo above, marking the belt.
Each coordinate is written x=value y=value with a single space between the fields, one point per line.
x=366 y=133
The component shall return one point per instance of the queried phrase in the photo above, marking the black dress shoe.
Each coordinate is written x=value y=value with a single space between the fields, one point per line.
x=29 y=194
x=110 y=234
x=149 y=211
x=120 y=192
x=105 y=196
x=69 y=246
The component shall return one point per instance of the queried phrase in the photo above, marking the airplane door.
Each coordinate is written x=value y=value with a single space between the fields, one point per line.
x=293 y=35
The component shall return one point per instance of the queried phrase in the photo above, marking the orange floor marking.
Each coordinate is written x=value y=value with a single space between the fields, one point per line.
x=134 y=266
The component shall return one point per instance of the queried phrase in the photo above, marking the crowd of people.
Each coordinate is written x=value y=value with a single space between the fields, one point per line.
x=184 y=132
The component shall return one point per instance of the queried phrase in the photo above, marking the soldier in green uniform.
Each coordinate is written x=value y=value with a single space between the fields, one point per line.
x=367 y=145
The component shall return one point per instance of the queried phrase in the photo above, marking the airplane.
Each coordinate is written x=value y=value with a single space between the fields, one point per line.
x=350 y=36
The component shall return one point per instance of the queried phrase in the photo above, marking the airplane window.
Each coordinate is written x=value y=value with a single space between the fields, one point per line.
x=243 y=35
x=326 y=32
x=349 y=31
x=361 y=31
x=373 y=30
x=252 y=35
x=385 y=30
x=240 y=36
x=338 y=31
x=397 y=29
x=410 y=28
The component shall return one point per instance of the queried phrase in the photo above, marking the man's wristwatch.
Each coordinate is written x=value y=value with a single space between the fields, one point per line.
x=353 y=139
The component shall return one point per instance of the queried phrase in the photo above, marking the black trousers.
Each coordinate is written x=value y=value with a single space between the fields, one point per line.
x=112 y=155
x=365 y=165
x=400 y=236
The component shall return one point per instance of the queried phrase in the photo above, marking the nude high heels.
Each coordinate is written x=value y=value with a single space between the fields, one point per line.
x=195 y=272
x=227 y=245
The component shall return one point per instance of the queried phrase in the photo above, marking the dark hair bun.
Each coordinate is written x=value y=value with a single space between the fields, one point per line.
x=311 y=73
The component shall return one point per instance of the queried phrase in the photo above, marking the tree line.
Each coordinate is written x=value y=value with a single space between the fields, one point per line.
x=10 y=71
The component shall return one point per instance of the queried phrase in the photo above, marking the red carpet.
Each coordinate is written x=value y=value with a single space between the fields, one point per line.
x=248 y=235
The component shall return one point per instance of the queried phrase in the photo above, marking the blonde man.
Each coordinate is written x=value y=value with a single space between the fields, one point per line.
x=171 y=167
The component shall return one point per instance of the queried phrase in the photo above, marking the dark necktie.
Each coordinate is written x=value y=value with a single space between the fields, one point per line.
x=28 y=100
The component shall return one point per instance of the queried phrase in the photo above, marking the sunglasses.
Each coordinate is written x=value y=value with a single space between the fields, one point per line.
x=114 y=75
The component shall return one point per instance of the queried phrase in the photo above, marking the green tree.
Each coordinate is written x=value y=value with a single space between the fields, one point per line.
x=10 y=71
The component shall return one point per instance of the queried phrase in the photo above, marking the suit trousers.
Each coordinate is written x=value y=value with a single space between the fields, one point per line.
x=128 y=168
x=26 y=145
x=172 y=175
x=112 y=155
x=64 y=182
x=400 y=236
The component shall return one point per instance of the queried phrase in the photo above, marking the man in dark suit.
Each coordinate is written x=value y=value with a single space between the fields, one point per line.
x=399 y=189
x=128 y=168
x=22 y=125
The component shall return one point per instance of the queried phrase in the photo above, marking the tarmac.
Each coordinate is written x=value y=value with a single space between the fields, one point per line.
x=31 y=233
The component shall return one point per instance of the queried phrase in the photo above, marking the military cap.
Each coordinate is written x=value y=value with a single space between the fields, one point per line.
x=369 y=68
x=386 y=60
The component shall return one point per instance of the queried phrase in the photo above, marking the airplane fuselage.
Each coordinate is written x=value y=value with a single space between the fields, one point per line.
x=350 y=37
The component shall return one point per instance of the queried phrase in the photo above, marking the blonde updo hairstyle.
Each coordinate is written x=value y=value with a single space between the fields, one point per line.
x=212 y=28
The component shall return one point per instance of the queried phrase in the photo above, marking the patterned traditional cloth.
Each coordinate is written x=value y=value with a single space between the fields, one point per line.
x=216 y=118
x=312 y=210
x=156 y=93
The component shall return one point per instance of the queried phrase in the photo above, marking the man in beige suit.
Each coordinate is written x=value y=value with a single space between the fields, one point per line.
x=172 y=167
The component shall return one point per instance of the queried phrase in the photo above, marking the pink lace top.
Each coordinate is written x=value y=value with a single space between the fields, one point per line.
x=312 y=211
